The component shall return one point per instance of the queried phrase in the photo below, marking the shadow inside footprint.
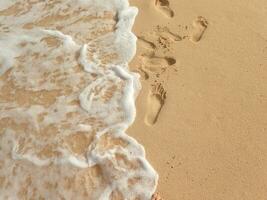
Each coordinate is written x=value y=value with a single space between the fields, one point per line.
x=155 y=101
x=171 y=61
x=164 y=7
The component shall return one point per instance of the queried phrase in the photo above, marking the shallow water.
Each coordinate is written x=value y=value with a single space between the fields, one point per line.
x=67 y=98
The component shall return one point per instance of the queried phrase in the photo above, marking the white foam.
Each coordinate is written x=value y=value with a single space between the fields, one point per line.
x=44 y=61
x=5 y=4
x=89 y=66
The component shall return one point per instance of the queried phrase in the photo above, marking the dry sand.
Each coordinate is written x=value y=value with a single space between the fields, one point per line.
x=202 y=113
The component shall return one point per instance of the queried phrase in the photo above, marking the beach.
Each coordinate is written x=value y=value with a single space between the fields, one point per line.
x=118 y=100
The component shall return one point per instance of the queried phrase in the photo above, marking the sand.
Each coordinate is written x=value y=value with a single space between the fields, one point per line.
x=202 y=112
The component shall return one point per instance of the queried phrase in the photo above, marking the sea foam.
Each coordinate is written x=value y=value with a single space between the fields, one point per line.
x=67 y=99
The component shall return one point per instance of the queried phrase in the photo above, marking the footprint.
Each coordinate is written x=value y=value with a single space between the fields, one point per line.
x=199 y=27
x=143 y=72
x=165 y=32
x=164 y=7
x=155 y=64
x=144 y=43
x=155 y=101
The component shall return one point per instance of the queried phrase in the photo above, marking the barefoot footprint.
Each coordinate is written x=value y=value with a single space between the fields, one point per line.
x=155 y=101
x=145 y=43
x=164 y=7
x=199 y=27
x=155 y=64
x=165 y=32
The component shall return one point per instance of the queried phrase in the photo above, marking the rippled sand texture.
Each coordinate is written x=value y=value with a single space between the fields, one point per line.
x=66 y=98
